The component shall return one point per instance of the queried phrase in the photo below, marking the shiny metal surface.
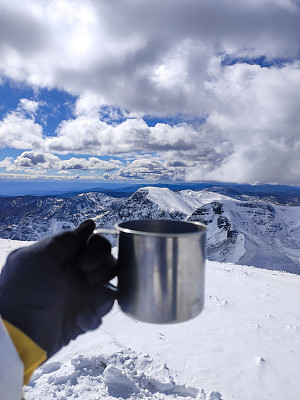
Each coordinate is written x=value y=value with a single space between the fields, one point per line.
x=161 y=270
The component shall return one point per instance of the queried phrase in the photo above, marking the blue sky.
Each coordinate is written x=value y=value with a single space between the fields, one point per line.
x=55 y=105
x=193 y=91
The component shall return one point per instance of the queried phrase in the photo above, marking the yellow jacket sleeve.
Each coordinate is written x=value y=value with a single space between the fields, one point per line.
x=29 y=352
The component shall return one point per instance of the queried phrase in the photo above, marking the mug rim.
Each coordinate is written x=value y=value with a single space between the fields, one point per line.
x=161 y=234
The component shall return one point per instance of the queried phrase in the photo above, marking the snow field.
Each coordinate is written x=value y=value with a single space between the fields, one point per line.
x=245 y=345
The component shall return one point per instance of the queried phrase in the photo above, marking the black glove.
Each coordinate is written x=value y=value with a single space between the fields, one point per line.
x=54 y=290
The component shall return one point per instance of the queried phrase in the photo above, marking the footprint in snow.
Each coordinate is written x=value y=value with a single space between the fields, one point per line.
x=260 y=361
x=162 y=337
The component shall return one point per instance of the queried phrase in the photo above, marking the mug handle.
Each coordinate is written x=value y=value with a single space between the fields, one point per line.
x=106 y=231
x=111 y=286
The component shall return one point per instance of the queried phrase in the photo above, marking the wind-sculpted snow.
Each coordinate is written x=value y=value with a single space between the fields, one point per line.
x=241 y=229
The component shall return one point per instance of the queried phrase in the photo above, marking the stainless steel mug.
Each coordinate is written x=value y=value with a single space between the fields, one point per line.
x=161 y=269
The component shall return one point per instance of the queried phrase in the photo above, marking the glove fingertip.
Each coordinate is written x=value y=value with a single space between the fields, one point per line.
x=101 y=303
x=107 y=305
x=86 y=228
x=100 y=243
x=87 y=321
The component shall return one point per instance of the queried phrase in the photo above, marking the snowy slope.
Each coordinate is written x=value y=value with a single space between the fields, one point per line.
x=185 y=201
x=244 y=346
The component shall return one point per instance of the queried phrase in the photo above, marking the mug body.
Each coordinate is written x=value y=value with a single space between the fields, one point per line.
x=161 y=269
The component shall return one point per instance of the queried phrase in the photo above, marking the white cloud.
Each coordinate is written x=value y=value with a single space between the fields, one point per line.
x=257 y=111
x=126 y=59
x=40 y=176
x=29 y=106
x=20 y=132
x=31 y=160
x=151 y=168
x=89 y=103
x=89 y=135
x=7 y=162
x=141 y=56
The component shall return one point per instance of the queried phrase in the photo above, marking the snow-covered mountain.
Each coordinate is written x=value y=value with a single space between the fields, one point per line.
x=159 y=203
x=35 y=217
x=252 y=233
x=241 y=229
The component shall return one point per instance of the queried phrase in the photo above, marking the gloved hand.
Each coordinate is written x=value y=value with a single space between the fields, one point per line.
x=54 y=290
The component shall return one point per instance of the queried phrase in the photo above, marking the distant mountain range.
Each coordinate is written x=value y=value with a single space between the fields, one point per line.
x=283 y=194
x=260 y=229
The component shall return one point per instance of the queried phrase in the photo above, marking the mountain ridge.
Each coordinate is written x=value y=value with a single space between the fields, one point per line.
x=241 y=229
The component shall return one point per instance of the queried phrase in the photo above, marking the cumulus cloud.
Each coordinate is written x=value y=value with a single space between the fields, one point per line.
x=142 y=56
x=20 y=132
x=7 y=162
x=151 y=169
x=262 y=126
x=125 y=60
x=88 y=134
x=28 y=106
x=47 y=161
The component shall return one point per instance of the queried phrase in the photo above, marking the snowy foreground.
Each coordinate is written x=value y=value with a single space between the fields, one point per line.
x=245 y=345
